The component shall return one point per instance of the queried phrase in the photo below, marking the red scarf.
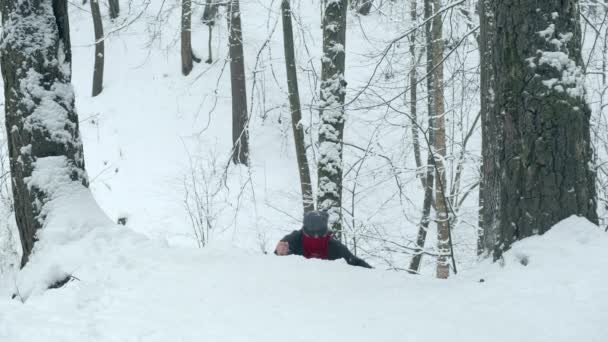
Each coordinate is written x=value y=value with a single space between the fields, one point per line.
x=315 y=247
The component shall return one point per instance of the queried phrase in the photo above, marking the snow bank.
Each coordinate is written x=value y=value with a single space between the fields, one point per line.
x=141 y=291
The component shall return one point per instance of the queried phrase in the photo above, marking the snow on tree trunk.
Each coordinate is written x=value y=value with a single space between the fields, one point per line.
x=99 y=49
x=438 y=141
x=543 y=146
x=45 y=149
x=331 y=130
x=240 y=132
x=294 y=104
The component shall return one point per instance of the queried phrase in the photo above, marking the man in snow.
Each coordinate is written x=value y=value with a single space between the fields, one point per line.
x=314 y=241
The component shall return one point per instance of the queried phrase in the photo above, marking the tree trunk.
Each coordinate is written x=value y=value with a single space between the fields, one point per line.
x=489 y=186
x=209 y=16
x=441 y=205
x=41 y=122
x=428 y=177
x=240 y=132
x=331 y=130
x=544 y=148
x=294 y=104
x=364 y=6
x=186 y=38
x=414 y=95
x=114 y=8
x=99 y=49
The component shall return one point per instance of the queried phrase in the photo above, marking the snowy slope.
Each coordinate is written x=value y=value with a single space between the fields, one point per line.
x=133 y=289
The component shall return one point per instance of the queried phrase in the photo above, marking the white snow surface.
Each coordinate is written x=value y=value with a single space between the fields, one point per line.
x=134 y=289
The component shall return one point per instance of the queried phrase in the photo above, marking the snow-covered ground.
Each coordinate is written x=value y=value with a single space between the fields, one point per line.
x=153 y=133
x=134 y=289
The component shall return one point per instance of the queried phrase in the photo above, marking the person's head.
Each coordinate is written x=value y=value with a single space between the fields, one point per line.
x=315 y=223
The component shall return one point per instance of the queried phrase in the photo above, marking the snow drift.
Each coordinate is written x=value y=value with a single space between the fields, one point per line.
x=547 y=288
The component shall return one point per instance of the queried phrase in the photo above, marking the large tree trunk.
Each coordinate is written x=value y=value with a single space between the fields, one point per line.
x=294 y=104
x=41 y=122
x=240 y=131
x=186 y=38
x=331 y=130
x=114 y=8
x=99 y=49
x=543 y=147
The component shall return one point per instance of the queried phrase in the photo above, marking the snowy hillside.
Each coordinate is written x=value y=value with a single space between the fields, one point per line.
x=157 y=144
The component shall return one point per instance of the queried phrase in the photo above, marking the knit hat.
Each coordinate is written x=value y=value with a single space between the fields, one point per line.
x=315 y=223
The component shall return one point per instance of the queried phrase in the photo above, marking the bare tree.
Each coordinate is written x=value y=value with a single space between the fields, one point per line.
x=432 y=7
x=99 y=48
x=296 y=112
x=36 y=68
x=543 y=120
x=331 y=130
x=240 y=132
x=429 y=177
x=186 y=38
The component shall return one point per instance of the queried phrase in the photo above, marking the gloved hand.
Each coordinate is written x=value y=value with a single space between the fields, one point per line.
x=282 y=248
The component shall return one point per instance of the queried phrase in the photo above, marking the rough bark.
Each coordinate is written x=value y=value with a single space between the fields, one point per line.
x=331 y=130
x=295 y=108
x=99 y=49
x=240 y=133
x=489 y=186
x=441 y=205
x=188 y=56
x=414 y=94
x=544 y=152
x=36 y=69
x=114 y=8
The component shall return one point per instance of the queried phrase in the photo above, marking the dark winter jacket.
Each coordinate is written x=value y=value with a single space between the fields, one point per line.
x=335 y=249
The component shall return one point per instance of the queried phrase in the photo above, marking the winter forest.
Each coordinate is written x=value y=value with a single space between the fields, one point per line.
x=179 y=169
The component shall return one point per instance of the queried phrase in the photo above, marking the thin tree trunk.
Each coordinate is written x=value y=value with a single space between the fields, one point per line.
x=240 y=134
x=331 y=130
x=544 y=144
x=99 y=49
x=209 y=45
x=35 y=56
x=186 y=38
x=209 y=16
x=114 y=8
x=441 y=205
x=414 y=95
x=294 y=104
